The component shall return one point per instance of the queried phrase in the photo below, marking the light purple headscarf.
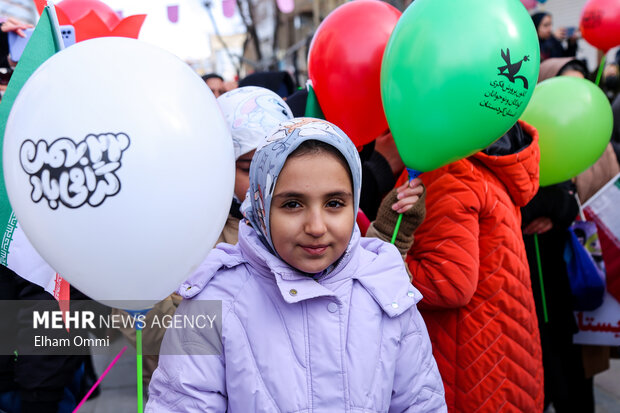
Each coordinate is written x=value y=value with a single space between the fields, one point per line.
x=269 y=160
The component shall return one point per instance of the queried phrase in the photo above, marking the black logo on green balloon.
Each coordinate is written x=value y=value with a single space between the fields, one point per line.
x=74 y=173
x=510 y=70
x=506 y=97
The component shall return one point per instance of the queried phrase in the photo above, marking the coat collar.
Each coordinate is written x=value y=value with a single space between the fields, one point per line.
x=294 y=285
x=376 y=265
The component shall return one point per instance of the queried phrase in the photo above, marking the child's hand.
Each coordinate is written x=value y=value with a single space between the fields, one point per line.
x=538 y=226
x=408 y=194
x=408 y=200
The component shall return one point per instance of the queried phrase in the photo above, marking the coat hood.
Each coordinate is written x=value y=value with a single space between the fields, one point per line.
x=551 y=67
x=222 y=256
x=514 y=159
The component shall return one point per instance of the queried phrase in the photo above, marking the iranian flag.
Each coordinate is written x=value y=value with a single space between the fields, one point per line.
x=16 y=252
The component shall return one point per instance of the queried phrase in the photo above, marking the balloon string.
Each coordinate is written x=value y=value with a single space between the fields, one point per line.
x=400 y=218
x=139 y=368
x=107 y=370
x=412 y=175
x=600 y=69
x=540 y=279
x=139 y=325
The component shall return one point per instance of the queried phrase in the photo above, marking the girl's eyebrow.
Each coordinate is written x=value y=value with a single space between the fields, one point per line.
x=289 y=195
x=341 y=194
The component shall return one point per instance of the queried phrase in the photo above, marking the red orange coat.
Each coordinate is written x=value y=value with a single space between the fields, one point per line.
x=469 y=262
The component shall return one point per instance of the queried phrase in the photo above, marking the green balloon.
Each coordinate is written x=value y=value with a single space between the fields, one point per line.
x=455 y=76
x=574 y=121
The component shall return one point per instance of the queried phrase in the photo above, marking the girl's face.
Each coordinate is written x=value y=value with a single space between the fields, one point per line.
x=242 y=175
x=545 y=27
x=311 y=214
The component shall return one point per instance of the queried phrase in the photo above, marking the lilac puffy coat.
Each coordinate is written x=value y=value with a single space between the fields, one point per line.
x=353 y=341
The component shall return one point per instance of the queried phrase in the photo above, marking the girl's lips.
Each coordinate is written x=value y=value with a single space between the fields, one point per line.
x=314 y=249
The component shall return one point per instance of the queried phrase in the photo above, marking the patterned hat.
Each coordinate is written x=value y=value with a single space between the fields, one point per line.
x=252 y=112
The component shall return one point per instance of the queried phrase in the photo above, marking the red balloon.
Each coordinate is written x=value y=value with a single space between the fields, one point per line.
x=600 y=23
x=344 y=65
x=77 y=9
x=529 y=4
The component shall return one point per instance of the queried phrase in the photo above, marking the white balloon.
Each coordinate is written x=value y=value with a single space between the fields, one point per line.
x=120 y=168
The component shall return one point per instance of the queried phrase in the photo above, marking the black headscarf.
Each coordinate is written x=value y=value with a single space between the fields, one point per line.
x=279 y=82
x=537 y=18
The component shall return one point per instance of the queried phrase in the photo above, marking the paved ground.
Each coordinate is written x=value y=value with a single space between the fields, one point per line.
x=118 y=389
x=607 y=389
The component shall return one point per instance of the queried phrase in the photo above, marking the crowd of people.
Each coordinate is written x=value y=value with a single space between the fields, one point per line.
x=347 y=286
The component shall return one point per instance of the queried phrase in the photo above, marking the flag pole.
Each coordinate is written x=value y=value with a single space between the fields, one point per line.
x=55 y=25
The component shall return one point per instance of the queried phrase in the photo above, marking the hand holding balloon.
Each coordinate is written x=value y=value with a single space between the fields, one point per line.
x=408 y=194
x=539 y=225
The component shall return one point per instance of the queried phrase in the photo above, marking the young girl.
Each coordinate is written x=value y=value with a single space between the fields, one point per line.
x=251 y=112
x=315 y=318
